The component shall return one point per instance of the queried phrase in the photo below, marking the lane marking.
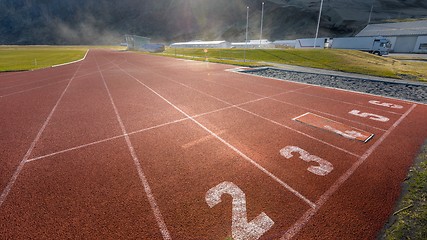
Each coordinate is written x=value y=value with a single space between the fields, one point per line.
x=295 y=105
x=200 y=140
x=320 y=122
x=327 y=114
x=267 y=119
x=322 y=169
x=241 y=229
x=154 y=207
x=305 y=218
x=385 y=104
x=63 y=64
x=339 y=89
x=296 y=193
x=18 y=170
x=27 y=90
x=371 y=116
x=30 y=89
x=137 y=131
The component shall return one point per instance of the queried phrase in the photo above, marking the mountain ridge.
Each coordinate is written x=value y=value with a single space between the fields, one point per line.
x=105 y=21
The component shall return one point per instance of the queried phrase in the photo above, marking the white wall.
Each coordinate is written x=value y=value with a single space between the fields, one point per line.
x=420 y=40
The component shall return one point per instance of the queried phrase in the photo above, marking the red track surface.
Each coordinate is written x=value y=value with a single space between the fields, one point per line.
x=125 y=145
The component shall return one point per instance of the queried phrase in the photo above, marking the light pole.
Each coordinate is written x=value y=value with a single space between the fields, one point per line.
x=262 y=21
x=318 y=23
x=370 y=13
x=247 y=27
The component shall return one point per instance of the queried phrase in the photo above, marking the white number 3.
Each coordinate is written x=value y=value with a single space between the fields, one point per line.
x=324 y=167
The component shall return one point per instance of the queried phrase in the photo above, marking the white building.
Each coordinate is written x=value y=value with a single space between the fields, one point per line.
x=405 y=37
x=263 y=43
x=201 y=44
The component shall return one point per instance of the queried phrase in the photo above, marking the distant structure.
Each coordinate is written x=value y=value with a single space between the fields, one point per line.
x=405 y=37
x=201 y=44
x=138 y=43
x=263 y=43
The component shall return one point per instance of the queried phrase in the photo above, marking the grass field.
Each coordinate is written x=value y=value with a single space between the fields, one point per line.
x=331 y=59
x=21 y=58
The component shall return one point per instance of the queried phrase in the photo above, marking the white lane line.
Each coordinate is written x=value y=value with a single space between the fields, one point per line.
x=289 y=188
x=295 y=118
x=154 y=207
x=200 y=140
x=299 y=106
x=354 y=104
x=30 y=89
x=27 y=90
x=18 y=170
x=324 y=198
x=339 y=89
x=137 y=131
x=63 y=64
x=267 y=119
x=327 y=114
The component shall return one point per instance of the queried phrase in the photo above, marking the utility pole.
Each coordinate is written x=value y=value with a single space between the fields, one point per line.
x=262 y=21
x=247 y=28
x=370 y=13
x=318 y=23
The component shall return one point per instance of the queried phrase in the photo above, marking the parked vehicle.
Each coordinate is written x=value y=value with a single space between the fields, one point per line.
x=375 y=45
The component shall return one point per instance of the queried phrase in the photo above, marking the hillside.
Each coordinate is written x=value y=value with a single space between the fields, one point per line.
x=106 y=21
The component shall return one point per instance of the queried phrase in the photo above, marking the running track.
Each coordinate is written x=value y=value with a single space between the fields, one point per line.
x=125 y=145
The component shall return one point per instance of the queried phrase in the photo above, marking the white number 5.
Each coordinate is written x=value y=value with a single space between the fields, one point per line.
x=371 y=116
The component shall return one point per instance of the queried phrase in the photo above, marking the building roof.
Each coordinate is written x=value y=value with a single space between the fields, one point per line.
x=200 y=43
x=395 y=29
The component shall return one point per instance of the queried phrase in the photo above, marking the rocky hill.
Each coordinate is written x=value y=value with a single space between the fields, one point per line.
x=106 y=21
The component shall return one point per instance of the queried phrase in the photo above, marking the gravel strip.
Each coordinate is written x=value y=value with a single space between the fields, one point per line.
x=405 y=91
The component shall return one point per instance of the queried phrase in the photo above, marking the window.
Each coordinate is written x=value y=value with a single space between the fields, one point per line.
x=423 y=46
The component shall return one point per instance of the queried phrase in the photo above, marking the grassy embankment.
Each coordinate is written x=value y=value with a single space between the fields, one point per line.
x=331 y=59
x=410 y=220
x=21 y=58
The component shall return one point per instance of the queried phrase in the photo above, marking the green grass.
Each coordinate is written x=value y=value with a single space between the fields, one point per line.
x=411 y=218
x=21 y=58
x=330 y=59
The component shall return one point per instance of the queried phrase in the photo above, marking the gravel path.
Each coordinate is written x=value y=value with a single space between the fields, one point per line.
x=407 y=91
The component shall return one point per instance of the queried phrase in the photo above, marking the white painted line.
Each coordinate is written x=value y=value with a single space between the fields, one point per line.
x=63 y=64
x=295 y=118
x=30 y=89
x=135 y=132
x=154 y=207
x=345 y=90
x=327 y=114
x=18 y=170
x=324 y=198
x=296 y=193
x=200 y=140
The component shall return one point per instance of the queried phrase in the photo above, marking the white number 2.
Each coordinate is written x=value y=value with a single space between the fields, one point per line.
x=241 y=229
x=384 y=104
x=324 y=167
x=371 y=116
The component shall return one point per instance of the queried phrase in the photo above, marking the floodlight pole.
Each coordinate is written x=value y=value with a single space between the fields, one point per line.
x=247 y=27
x=262 y=21
x=318 y=23
x=370 y=13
